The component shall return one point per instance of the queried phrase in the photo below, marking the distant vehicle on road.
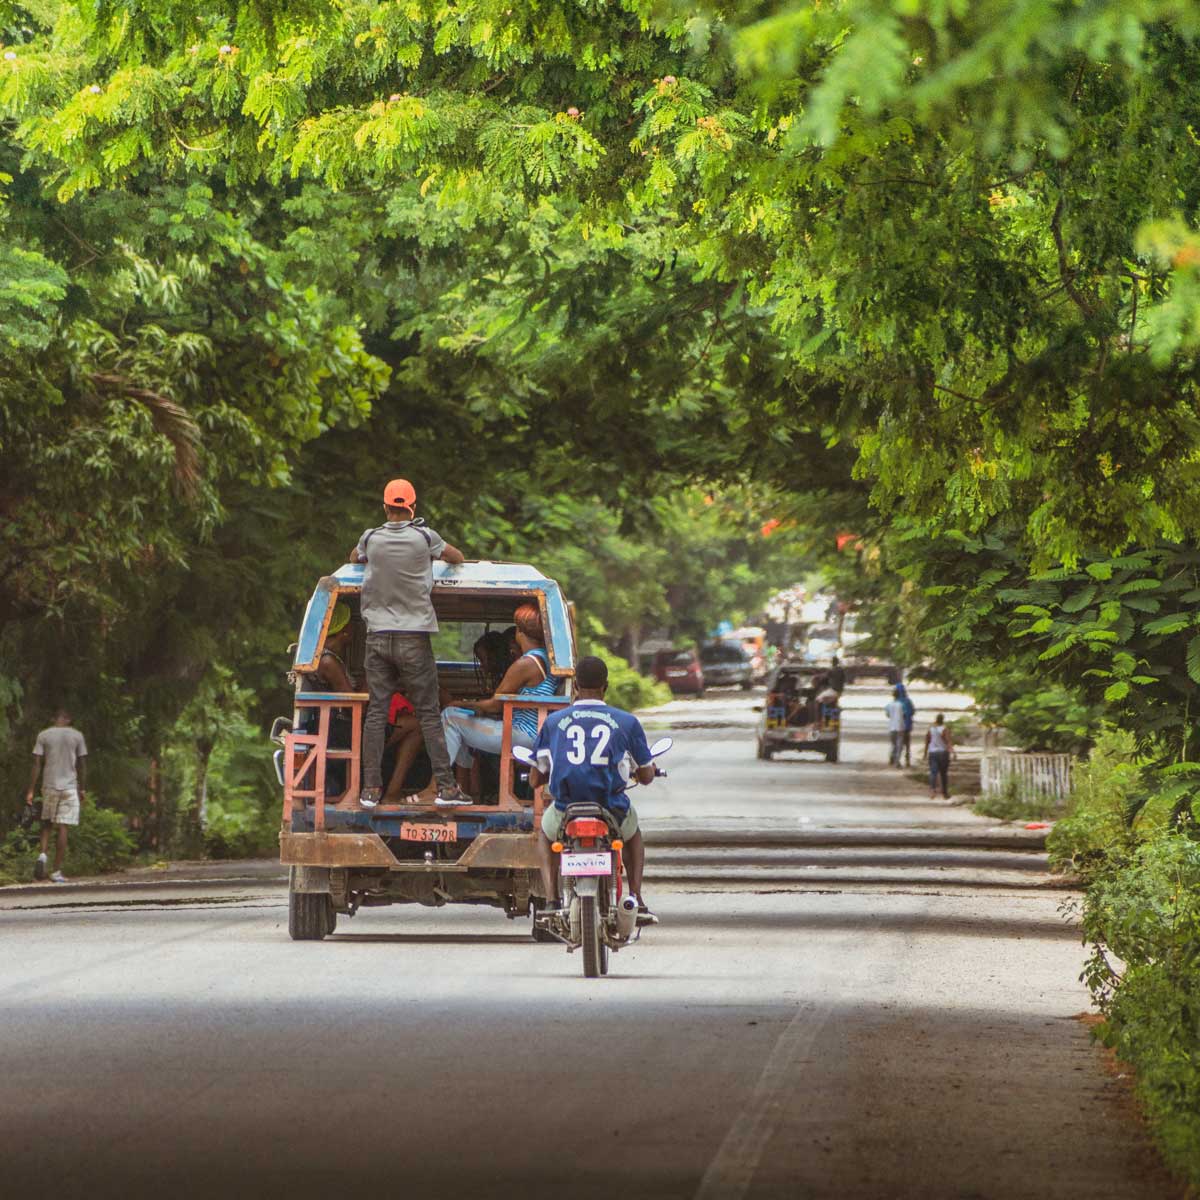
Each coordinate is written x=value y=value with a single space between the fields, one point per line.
x=799 y=716
x=726 y=664
x=823 y=643
x=858 y=661
x=680 y=670
x=860 y=666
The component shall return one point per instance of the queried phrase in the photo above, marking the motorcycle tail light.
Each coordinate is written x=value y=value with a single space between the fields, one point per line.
x=586 y=827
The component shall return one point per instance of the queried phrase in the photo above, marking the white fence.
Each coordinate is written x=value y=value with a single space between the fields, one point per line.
x=1041 y=776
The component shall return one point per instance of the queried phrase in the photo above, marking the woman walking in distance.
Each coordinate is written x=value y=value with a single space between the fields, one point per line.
x=938 y=748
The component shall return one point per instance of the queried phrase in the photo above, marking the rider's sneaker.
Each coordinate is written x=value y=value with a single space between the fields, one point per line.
x=57 y=877
x=453 y=798
x=39 y=867
x=369 y=797
x=644 y=915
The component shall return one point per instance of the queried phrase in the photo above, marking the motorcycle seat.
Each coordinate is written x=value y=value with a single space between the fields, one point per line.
x=590 y=810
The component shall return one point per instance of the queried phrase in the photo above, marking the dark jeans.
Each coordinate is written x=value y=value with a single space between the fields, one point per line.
x=939 y=768
x=403 y=662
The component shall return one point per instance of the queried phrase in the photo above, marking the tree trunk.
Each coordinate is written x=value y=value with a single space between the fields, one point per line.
x=154 y=818
x=194 y=823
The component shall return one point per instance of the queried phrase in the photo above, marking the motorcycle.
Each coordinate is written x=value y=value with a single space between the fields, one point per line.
x=601 y=917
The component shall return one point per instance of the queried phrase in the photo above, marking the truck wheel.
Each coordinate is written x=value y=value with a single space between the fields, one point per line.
x=310 y=916
x=831 y=755
x=589 y=921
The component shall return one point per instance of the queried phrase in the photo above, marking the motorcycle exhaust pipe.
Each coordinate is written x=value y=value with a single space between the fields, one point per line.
x=626 y=917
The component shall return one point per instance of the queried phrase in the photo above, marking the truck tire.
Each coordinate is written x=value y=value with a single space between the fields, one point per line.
x=831 y=755
x=310 y=916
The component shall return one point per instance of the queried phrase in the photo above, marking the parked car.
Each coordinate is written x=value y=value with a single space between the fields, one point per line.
x=680 y=670
x=726 y=664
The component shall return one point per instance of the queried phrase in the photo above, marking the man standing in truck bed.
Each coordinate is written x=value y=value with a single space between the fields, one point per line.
x=398 y=610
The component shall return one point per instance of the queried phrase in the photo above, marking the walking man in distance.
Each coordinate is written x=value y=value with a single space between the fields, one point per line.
x=60 y=757
x=397 y=607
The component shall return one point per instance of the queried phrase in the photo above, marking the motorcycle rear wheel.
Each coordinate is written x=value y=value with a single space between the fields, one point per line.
x=595 y=952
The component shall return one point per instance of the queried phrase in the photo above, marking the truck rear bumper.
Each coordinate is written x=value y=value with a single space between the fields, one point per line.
x=487 y=851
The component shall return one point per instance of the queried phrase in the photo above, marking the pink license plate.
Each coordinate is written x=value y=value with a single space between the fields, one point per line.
x=442 y=831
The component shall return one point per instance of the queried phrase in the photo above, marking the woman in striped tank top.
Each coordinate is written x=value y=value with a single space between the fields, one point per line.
x=479 y=726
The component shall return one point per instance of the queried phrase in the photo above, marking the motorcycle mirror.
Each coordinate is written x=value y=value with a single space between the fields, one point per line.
x=524 y=755
x=661 y=746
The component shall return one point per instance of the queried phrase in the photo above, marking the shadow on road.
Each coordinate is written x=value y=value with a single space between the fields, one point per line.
x=435 y=939
x=925 y=922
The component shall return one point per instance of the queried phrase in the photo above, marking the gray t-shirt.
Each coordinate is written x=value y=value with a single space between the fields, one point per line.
x=398 y=577
x=60 y=746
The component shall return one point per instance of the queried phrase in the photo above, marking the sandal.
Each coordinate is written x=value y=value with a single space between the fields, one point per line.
x=369 y=797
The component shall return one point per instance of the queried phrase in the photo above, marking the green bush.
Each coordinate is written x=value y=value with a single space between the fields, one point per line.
x=1108 y=792
x=100 y=843
x=1013 y=805
x=1052 y=719
x=1145 y=912
x=238 y=831
x=629 y=689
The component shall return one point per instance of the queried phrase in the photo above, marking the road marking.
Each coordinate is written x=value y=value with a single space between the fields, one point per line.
x=732 y=1169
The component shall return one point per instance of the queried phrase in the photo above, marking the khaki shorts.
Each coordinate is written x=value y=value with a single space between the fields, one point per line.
x=552 y=821
x=60 y=807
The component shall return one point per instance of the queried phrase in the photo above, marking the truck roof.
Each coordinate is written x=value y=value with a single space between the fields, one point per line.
x=481 y=591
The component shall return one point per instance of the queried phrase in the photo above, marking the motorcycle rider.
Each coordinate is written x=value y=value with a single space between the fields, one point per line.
x=582 y=755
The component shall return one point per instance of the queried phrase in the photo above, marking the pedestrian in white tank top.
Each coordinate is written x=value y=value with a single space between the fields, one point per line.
x=938 y=748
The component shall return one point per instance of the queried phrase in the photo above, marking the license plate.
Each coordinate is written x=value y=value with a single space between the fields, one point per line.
x=586 y=864
x=443 y=831
x=676 y=674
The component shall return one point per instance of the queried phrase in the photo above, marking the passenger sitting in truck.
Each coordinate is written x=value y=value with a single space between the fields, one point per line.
x=826 y=693
x=495 y=652
x=406 y=741
x=478 y=726
x=332 y=674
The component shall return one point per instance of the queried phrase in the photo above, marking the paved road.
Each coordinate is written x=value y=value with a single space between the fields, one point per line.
x=853 y=993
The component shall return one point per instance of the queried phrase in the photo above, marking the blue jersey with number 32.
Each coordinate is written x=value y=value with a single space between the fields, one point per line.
x=585 y=749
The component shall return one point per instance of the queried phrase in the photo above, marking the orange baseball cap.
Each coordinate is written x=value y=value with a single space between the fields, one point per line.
x=399 y=494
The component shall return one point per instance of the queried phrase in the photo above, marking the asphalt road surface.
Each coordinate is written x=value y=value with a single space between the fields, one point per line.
x=854 y=993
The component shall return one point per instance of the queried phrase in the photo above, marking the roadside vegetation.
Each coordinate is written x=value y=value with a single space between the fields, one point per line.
x=1141 y=914
x=659 y=299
